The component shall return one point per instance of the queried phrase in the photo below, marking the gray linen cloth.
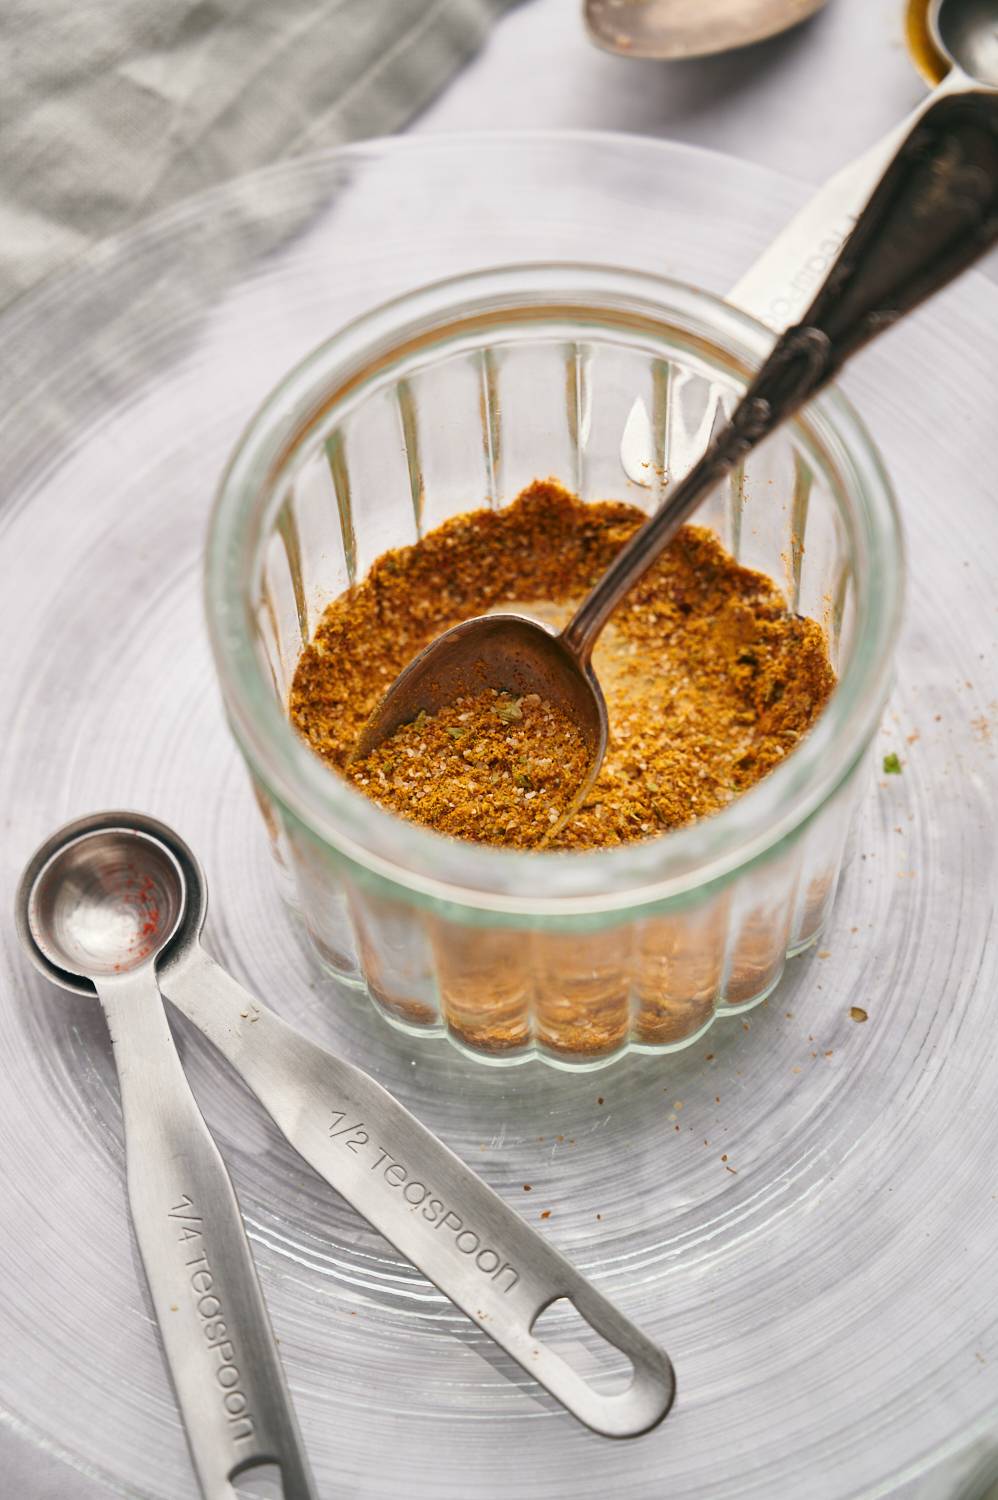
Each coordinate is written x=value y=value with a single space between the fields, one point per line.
x=113 y=109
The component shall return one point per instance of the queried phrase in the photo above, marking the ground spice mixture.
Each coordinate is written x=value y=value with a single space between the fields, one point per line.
x=709 y=680
x=488 y=766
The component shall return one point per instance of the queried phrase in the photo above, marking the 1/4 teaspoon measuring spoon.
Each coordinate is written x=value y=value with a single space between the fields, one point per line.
x=393 y=1170
x=94 y=908
x=933 y=213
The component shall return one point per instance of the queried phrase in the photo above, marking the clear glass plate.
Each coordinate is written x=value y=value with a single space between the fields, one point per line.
x=802 y=1209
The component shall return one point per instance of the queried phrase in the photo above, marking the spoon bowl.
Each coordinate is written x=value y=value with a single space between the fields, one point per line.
x=673 y=29
x=509 y=653
x=103 y=903
x=965 y=32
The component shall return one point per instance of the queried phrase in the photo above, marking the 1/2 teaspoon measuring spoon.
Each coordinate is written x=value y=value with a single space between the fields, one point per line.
x=933 y=213
x=479 y=1252
x=95 y=907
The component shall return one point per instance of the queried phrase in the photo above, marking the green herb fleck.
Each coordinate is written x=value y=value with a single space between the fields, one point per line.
x=421 y=718
x=457 y=734
x=892 y=766
x=509 y=709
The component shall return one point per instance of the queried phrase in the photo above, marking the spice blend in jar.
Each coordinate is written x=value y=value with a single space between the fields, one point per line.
x=490 y=767
x=710 y=681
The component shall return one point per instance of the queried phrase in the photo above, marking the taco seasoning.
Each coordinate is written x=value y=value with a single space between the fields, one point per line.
x=489 y=767
x=710 y=681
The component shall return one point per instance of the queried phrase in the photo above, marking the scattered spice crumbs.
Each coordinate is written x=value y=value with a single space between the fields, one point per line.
x=710 y=680
x=546 y=1214
x=857 y=1013
x=892 y=765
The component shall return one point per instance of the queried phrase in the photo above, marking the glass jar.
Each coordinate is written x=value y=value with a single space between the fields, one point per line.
x=457 y=396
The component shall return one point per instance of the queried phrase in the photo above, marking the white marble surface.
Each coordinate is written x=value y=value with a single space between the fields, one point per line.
x=803 y=103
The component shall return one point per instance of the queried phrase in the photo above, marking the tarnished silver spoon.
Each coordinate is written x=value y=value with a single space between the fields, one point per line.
x=96 y=907
x=933 y=213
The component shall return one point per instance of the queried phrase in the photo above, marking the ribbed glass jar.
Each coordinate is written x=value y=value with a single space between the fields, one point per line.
x=457 y=396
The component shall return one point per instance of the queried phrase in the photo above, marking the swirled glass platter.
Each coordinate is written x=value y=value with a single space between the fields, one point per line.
x=803 y=1210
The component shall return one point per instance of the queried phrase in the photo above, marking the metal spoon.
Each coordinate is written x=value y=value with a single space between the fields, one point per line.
x=95 y=907
x=952 y=44
x=778 y=286
x=934 y=212
x=690 y=28
x=965 y=32
x=405 y=1182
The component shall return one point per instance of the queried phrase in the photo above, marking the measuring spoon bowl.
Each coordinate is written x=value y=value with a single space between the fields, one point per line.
x=104 y=903
x=965 y=32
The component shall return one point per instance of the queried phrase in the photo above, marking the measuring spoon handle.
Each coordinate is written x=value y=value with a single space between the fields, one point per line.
x=422 y=1198
x=217 y=1337
x=779 y=285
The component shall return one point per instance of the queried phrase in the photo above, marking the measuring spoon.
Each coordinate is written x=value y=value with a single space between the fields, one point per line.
x=392 y=1169
x=96 y=905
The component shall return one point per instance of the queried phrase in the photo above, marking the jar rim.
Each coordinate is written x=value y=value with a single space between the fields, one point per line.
x=427 y=865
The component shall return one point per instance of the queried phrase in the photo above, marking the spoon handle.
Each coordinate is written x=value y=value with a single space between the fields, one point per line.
x=219 y=1344
x=422 y=1198
x=778 y=286
x=933 y=213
